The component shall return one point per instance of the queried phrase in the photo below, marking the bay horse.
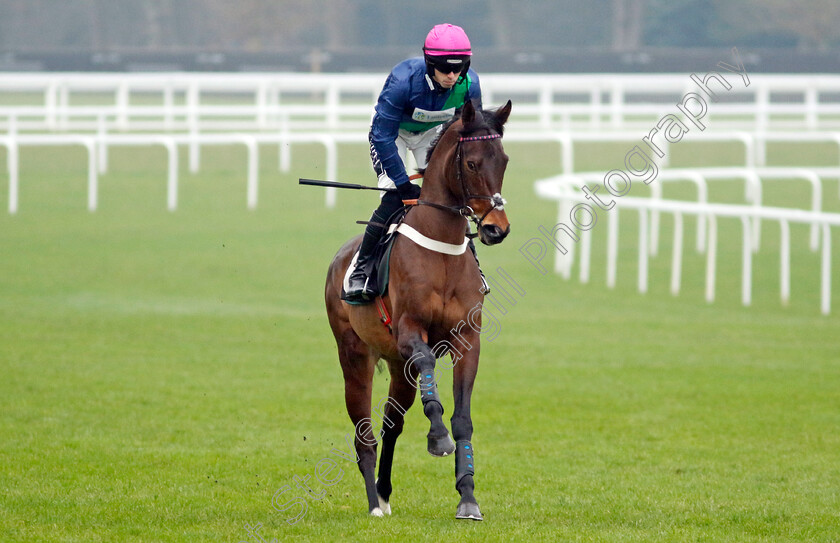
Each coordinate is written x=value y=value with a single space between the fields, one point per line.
x=434 y=298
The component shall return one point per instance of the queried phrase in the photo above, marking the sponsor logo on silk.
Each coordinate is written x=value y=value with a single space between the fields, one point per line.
x=425 y=116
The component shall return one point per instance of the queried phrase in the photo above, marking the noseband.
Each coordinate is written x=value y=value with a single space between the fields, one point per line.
x=496 y=200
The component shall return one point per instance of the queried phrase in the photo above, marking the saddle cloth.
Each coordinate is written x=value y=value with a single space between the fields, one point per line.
x=377 y=269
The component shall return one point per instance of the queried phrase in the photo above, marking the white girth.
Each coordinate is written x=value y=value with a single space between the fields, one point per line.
x=429 y=243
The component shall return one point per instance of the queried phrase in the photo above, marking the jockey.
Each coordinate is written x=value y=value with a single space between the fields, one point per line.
x=419 y=96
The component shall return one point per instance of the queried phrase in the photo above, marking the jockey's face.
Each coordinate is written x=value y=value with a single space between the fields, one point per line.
x=446 y=80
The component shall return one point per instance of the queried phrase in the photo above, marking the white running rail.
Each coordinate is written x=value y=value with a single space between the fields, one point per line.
x=97 y=145
x=543 y=101
x=563 y=192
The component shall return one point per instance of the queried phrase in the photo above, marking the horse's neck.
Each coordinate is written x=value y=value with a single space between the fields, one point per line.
x=438 y=224
x=433 y=222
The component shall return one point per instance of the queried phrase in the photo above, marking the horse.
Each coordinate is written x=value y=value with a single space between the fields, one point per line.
x=434 y=298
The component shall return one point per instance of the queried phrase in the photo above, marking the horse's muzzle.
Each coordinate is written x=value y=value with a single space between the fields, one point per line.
x=490 y=234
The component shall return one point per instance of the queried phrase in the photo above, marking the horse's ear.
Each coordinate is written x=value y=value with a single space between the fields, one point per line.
x=467 y=113
x=503 y=113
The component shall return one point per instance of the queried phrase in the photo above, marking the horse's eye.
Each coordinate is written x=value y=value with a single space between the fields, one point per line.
x=471 y=166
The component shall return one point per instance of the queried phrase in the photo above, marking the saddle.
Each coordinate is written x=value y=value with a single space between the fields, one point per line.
x=378 y=267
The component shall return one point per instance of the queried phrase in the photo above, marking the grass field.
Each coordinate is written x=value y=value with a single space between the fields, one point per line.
x=163 y=374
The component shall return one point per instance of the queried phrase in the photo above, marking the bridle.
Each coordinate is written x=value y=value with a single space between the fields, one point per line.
x=465 y=210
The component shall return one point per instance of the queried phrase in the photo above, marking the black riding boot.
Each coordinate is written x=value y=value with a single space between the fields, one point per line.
x=486 y=289
x=358 y=284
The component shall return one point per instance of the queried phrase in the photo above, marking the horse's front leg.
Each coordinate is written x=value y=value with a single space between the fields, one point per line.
x=420 y=360
x=463 y=378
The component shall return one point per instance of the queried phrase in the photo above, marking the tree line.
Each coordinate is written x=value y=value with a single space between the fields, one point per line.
x=282 y=25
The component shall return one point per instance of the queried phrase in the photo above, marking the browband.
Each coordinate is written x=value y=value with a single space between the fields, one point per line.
x=487 y=137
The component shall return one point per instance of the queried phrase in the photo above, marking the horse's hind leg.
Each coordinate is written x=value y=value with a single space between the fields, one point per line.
x=419 y=358
x=358 y=367
x=400 y=398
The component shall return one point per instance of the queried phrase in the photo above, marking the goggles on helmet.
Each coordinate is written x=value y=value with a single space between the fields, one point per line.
x=449 y=64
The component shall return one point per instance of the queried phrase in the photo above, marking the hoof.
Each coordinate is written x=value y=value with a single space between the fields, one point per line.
x=376 y=512
x=468 y=511
x=440 y=446
x=383 y=505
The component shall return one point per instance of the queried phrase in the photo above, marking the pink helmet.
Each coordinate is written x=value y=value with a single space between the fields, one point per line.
x=447 y=40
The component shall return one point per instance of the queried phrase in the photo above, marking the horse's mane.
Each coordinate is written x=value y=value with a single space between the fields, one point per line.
x=484 y=119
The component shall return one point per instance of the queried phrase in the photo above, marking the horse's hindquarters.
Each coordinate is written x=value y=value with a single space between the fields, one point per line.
x=363 y=320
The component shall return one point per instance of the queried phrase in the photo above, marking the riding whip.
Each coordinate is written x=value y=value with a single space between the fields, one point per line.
x=338 y=185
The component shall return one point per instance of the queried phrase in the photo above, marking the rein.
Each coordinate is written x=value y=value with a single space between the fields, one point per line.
x=496 y=200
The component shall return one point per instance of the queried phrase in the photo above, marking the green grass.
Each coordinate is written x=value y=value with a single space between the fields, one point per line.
x=162 y=374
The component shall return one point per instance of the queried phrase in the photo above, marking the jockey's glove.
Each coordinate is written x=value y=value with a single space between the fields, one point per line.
x=408 y=191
